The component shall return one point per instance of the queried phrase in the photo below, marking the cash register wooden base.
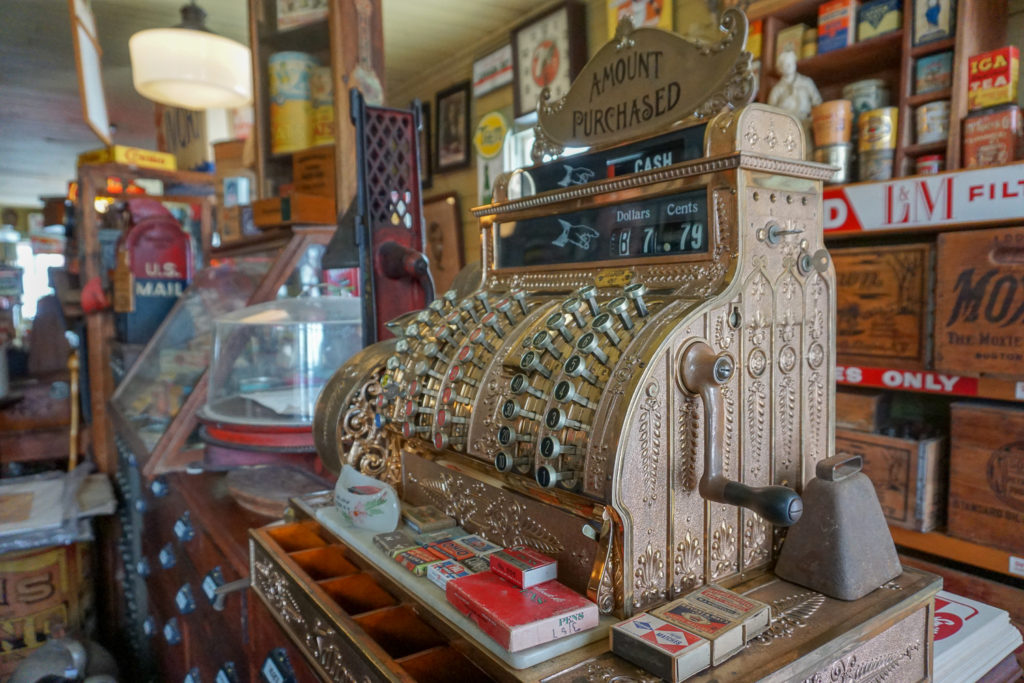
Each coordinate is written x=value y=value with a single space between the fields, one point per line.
x=354 y=622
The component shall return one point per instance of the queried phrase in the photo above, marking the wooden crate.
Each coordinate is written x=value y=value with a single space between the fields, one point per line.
x=979 y=302
x=883 y=304
x=863 y=410
x=986 y=478
x=909 y=475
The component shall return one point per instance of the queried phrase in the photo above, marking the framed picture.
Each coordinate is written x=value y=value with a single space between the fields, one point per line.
x=933 y=20
x=444 y=239
x=426 y=149
x=548 y=52
x=452 y=106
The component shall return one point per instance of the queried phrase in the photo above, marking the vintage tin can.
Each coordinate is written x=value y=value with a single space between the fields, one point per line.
x=878 y=17
x=837 y=25
x=839 y=156
x=932 y=121
x=871 y=93
x=931 y=164
x=810 y=44
x=290 y=101
x=321 y=86
x=992 y=78
x=992 y=136
x=832 y=122
x=933 y=20
x=933 y=72
x=877 y=130
x=875 y=164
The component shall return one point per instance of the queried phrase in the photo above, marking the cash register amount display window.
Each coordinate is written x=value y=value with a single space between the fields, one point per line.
x=667 y=226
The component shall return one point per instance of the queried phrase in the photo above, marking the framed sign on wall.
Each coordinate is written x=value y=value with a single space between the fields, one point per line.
x=548 y=51
x=453 y=127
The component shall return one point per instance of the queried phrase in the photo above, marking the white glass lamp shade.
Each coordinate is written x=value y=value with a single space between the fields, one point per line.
x=191 y=69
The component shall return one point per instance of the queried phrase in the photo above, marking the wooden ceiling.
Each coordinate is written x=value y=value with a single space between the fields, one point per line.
x=41 y=127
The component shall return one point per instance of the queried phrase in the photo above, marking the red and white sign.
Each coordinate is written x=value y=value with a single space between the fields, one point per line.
x=981 y=195
x=909 y=380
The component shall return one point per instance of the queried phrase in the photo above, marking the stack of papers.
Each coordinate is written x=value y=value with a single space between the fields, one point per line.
x=970 y=638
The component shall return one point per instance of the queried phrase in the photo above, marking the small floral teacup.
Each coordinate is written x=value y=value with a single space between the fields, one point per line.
x=366 y=502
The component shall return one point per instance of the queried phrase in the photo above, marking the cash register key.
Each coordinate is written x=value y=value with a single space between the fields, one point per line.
x=478 y=336
x=450 y=297
x=455 y=319
x=444 y=417
x=507 y=436
x=402 y=346
x=520 y=384
x=548 y=476
x=542 y=341
x=457 y=374
x=511 y=409
x=412 y=331
x=588 y=344
x=409 y=430
x=551 y=447
x=603 y=324
x=557 y=419
x=381 y=403
x=484 y=300
x=565 y=392
x=491 y=320
x=635 y=293
x=416 y=388
x=589 y=294
x=576 y=367
x=519 y=296
x=530 y=362
x=423 y=368
x=505 y=306
x=412 y=409
x=620 y=307
x=466 y=355
x=449 y=396
x=468 y=306
x=437 y=306
x=432 y=350
x=394 y=363
x=442 y=441
x=423 y=316
x=444 y=334
x=503 y=462
x=556 y=323
x=572 y=307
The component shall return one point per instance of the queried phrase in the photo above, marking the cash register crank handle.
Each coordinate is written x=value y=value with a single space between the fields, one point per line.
x=703 y=373
x=398 y=262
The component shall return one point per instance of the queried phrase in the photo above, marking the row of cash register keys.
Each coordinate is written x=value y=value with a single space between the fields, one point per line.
x=556 y=355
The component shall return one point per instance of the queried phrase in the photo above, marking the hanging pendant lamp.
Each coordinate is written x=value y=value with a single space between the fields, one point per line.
x=189 y=66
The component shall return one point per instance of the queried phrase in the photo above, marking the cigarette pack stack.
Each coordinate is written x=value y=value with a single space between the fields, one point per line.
x=479 y=544
x=452 y=549
x=725 y=618
x=523 y=566
x=394 y=542
x=448 y=534
x=666 y=650
x=444 y=571
x=477 y=564
x=521 y=618
x=418 y=559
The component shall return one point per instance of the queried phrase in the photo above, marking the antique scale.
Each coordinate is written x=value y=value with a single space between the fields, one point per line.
x=639 y=382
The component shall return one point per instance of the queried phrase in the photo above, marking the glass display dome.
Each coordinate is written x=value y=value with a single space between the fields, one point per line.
x=271 y=360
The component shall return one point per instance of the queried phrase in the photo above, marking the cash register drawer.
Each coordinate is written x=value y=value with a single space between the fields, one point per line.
x=348 y=625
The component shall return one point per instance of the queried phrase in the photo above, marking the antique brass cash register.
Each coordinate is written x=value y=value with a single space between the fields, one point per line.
x=639 y=382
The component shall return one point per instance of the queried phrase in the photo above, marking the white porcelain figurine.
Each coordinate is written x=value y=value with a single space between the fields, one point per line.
x=794 y=92
x=366 y=502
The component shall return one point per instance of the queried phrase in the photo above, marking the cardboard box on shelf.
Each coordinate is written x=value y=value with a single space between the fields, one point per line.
x=131 y=156
x=986 y=475
x=863 y=410
x=992 y=78
x=293 y=209
x=790 y=39
x=909 y=475
x=313 y=171
x=837 y=25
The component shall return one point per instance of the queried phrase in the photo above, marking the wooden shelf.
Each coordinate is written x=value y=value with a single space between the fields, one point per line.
x=930 y=382
x=789 y=11
x=938 y=147
x=926 y=97
x=863 y=59
x=940 y=545
x=931 y=48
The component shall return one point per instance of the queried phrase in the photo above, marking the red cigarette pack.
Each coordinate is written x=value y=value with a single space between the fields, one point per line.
x=523 y=566
x=452 y=549
x=521 y=618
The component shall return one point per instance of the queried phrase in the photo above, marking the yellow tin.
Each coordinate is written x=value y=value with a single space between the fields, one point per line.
x=291 y=107
x=877 y=129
